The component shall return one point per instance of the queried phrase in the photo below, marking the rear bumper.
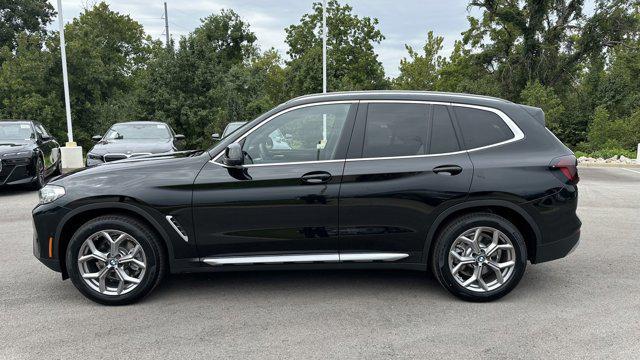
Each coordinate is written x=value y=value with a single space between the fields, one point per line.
x=558 y=249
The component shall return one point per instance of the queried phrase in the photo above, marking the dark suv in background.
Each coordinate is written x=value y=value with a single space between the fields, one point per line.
x=133 y=139
x=470 y=187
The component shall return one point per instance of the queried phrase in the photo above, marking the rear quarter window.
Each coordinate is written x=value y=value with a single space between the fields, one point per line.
x=481 y=127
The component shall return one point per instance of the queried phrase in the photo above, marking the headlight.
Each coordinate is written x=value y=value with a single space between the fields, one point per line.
x=51 y=193
x=94 y=156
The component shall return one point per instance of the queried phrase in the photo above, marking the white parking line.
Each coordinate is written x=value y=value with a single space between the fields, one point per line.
x=635 y=171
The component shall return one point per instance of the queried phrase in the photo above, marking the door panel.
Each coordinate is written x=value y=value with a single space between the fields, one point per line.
x=267 y=209
x=390 y=197
x=388 y=205
x=285 y=199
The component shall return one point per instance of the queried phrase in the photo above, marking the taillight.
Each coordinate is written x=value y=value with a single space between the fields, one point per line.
x=568 y=167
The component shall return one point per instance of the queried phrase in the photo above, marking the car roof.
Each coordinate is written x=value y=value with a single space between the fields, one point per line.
x=141 y=122
x=400 y=95
x=16 y=120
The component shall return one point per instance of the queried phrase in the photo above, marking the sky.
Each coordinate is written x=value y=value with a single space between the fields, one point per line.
x=401 y=21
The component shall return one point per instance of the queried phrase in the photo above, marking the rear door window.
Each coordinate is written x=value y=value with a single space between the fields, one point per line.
x=481 y=127
x=396 y=130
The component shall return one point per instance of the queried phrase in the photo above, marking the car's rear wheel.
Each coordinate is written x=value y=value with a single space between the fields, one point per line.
x=115 y=260
x=479 y=257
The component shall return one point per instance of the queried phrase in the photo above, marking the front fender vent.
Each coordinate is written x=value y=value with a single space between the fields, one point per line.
x=177 y=227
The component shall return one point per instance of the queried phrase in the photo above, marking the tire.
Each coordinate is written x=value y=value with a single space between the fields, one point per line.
x=492 y=264
x=58 y=170
x=40 y=180
x=150 y=253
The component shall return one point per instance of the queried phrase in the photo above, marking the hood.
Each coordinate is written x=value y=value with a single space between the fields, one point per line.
x=11 y=146
x=141 y=163
x=132 y=146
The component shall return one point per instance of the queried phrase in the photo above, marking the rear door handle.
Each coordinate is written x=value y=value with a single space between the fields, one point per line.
x=448 y=170
x=316 y=177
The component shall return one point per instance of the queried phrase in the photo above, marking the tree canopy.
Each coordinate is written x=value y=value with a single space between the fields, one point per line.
x=581 y=66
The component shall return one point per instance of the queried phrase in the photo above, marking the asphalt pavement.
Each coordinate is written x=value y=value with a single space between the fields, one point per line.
x=584 y=306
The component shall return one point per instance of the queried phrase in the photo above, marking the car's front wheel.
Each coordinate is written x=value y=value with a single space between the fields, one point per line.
x=39 y=181
x=115 y=260
x=479 y=257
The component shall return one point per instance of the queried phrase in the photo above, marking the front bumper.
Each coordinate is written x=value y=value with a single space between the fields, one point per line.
x=46 y=249
x=17 y=172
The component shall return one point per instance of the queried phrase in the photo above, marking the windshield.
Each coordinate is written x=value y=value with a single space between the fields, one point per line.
x=232 y=127
x=138 y=131
x=16 y=131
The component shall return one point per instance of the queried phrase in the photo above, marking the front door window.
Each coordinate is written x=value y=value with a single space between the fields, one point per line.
x=306 y=134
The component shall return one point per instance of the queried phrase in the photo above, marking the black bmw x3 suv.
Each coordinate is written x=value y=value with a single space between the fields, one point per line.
x=469 y=187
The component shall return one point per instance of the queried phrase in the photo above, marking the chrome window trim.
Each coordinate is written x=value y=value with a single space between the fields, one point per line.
x=294 y=163
x=303 y=258
x=518 y=134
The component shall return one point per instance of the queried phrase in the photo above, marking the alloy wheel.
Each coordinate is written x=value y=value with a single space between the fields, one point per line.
x=112 y=262
x=482 y=259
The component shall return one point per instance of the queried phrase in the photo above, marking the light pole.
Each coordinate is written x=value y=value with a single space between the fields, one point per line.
x=324 y=46
x=65 y=78
x=71 y=154
x=324 y=70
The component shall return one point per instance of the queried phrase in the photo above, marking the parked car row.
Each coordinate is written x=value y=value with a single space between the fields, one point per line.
x=29 y=154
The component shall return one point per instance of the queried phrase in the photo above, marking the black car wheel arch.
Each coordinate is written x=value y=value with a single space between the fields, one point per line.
x=79 y=216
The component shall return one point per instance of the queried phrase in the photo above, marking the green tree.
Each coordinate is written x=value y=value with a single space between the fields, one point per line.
x=107 y=53
x=352 y=63
x=543 y=40
x=544 y=97
x=214 y=76
x=421 y=72
x=27 y=83
x=22 y=16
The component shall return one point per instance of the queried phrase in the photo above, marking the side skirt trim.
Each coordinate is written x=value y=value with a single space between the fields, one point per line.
x=284 y=259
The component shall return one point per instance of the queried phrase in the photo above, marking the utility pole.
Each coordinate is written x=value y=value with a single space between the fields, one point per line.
x=71 y=153
x=166 y=24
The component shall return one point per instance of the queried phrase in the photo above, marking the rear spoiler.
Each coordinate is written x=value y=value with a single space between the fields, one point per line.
x=535 y=113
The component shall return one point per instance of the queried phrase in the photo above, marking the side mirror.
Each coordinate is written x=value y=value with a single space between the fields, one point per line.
x=179 y=137
x=96 y=138
x=233 y=155
x=216 y=137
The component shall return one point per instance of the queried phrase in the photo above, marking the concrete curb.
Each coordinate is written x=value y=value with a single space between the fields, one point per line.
x=609 y=165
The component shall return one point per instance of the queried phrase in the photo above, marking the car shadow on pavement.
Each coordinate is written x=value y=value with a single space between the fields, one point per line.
x=14 y=190
x=323 y=283
x=328 y=284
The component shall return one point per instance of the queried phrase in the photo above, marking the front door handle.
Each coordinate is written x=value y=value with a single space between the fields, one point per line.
x=448 y=170
x=316 y=177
